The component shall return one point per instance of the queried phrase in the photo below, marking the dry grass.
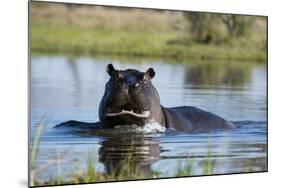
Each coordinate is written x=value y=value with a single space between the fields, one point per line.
x=107 y=17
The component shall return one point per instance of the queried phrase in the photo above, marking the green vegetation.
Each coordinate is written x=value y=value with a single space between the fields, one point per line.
x=127 y=169
x=128 y=172
x=218 y=28
x=34 y=151
x=73 y=29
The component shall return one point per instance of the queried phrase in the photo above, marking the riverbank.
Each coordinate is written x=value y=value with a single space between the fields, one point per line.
x=90 y=30
x=71 y=40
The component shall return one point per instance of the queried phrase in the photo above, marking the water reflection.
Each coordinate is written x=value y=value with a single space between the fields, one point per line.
x=129 y=155
x=231 y=74
x=72 y=63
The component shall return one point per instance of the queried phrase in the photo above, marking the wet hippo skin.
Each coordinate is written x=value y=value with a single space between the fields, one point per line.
x=130 y=98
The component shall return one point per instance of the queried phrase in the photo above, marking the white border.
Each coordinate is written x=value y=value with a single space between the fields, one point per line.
x=13 y=100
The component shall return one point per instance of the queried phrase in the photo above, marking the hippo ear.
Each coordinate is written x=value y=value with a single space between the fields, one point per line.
x=149 y=74
x=110 y=69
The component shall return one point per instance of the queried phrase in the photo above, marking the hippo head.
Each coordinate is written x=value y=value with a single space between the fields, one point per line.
x=130 y=98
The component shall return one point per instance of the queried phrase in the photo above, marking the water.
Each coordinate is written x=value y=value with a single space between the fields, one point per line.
x=70 y=88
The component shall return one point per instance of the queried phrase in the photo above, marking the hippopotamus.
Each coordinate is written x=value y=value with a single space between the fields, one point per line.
x=131 y=99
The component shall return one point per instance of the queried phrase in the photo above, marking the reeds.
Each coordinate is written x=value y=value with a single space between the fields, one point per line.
x=129 y=169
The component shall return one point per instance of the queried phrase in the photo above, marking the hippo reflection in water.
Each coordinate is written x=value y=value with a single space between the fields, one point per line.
x=131 y=99
x=130 y=155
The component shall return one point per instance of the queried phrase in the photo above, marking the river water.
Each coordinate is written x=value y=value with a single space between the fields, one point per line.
x=70 y=88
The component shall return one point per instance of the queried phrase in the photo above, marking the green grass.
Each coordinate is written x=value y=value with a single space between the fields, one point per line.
x=129 y=170
x=34 y=152
x=73 y=40
x=91 y=30
x=89 y=175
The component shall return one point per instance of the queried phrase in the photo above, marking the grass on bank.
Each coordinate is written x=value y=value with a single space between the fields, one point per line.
x=72 y=40
x=58 y=28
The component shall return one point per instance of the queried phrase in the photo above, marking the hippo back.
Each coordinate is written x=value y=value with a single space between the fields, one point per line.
x=188 y=118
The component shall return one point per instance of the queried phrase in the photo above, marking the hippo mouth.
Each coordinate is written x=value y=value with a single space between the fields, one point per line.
x=144 y=114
